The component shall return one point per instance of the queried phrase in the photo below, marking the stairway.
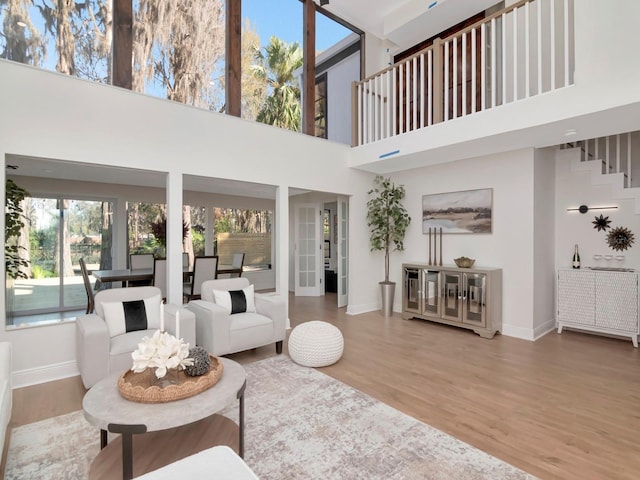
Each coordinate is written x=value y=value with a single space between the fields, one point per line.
x=612 y=160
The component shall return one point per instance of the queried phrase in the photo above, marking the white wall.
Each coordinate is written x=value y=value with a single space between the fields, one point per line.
x=544 y=247
x=48 y=115
x=339 y=80
x=511 y=244
x=574 y=188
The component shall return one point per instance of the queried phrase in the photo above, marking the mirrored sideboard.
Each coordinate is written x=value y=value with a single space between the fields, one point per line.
x=463 y=297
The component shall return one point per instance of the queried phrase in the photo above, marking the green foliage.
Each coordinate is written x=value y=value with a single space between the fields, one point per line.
x=13 y=218
x=276 y=67
x=38 y=272
x=387 y=218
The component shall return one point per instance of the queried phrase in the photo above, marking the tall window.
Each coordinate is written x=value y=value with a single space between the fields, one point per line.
x=67 y=37
x=244 y=231
x=178 y=50
x=321 y=106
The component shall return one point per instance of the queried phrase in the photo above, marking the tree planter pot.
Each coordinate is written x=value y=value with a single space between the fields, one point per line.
x=388 y=290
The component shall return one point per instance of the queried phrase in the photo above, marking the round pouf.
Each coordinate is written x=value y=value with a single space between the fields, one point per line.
x=315 y=344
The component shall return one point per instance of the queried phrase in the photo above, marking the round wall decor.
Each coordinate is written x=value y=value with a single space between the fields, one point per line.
x=620 y=238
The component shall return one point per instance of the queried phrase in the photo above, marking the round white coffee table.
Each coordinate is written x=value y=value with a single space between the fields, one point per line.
x=105 y=408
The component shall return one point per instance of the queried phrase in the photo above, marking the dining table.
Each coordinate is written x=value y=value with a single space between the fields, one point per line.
x=126 y=275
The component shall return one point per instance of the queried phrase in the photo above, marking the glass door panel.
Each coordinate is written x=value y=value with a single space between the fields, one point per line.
x=475 y=293
x=431 y=294
x=412 y=290
x=452 y=296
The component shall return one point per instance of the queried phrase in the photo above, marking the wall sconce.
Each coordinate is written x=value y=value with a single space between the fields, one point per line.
x=585 y=209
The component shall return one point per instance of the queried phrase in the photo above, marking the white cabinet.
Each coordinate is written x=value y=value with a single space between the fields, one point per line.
x=463 y=297
x=599 y=301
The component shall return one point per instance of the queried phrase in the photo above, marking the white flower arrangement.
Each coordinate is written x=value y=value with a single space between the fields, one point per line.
x=163 y=351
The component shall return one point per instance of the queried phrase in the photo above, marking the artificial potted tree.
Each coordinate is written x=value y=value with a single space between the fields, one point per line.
x=388 y=221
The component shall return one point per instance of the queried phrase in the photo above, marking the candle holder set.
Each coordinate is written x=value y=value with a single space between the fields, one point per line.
x=434 y=260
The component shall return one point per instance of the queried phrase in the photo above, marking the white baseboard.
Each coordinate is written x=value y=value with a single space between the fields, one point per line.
x=517 y=332
x=541 y=330
x=47 y=373
x=362 y=308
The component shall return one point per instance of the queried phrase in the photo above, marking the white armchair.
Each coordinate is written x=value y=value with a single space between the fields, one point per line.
x=106 y=338
x=220 y=332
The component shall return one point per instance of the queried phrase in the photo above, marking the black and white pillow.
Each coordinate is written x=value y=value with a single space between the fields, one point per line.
x=123 y=317
x=236 y=301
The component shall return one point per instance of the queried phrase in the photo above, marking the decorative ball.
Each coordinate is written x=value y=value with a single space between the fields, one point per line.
x=201 y=362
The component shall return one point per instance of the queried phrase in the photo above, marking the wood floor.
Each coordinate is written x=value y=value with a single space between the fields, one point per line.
x=564 y=407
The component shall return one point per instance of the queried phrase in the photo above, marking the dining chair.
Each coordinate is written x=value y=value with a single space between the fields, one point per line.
x=204 y=268
x=160 y=276
x=87 y=286
x=238 y=262
x=186 y=274
x=139 y=261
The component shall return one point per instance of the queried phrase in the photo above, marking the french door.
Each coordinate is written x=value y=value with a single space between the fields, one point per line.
x=308 y=250
x=343 y=252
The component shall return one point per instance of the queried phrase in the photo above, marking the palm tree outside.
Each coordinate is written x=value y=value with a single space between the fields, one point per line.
x=276 y=66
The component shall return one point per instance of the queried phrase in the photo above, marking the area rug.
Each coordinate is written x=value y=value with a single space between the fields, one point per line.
x=300 y=424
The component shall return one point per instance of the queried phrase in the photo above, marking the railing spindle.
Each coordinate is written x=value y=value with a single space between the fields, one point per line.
x=454 y=66
x=494 y=69
x=401 y=100
x=539 y=20
x=483 y=66
x=566 y=43
x=552 y=21
x=515 y=54
x=423 y=103
x=407 y=98
x=394 y=98
x=608 y=165
x=464 y=74
x=446 y=81
x=474 y=87
x=503 y=25
x=415 y=93
x=430 y=88
x=629 y=184
x=527 y=52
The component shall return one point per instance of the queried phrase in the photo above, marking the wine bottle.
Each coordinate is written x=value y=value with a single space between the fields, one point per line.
x=576 y=258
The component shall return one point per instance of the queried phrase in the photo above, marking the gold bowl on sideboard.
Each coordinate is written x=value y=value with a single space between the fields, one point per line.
x=464 y=262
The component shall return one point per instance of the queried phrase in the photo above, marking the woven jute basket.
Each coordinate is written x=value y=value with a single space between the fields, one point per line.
x=141 y=387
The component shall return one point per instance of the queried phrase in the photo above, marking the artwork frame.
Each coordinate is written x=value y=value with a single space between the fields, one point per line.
x=462 y=212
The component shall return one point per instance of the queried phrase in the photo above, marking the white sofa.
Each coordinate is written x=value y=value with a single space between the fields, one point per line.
x=98 y=354
x=5 y=390
x=221 y=333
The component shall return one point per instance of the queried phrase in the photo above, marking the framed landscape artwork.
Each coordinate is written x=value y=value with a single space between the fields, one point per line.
x=469 y=211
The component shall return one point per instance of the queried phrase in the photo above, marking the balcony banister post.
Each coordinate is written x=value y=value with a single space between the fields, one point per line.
x=438 y=82
x=354 y=114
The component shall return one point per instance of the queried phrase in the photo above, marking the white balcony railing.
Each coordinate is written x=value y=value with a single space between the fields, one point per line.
x=519 y=52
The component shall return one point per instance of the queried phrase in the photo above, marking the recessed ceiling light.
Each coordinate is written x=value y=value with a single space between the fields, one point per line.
x=570 y=132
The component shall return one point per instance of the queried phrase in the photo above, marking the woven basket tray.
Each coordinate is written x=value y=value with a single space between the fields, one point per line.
x=139 y=387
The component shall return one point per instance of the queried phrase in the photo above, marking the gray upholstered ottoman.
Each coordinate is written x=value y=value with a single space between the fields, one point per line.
x=315 y=344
